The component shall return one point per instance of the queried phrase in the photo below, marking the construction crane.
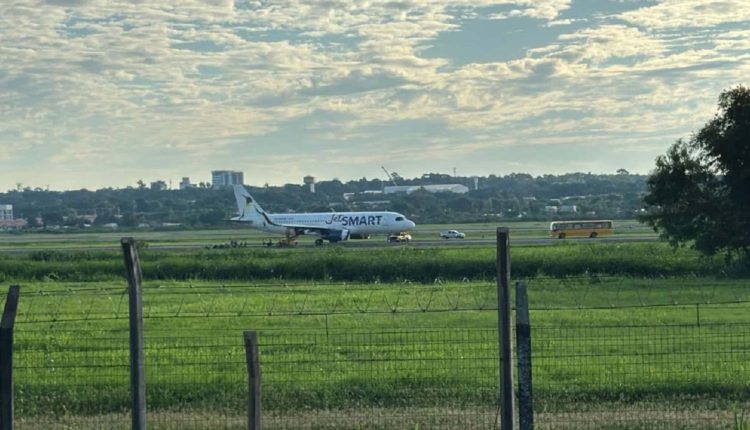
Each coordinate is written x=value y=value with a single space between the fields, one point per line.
x=389 y=176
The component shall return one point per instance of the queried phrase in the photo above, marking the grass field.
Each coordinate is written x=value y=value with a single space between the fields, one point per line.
x=327 y=349
x=625 y=336
x=371 y=265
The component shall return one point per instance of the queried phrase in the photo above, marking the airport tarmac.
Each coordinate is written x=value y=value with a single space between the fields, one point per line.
x=375 y=242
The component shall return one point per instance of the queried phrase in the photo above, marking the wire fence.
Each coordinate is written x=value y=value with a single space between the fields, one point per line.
x=407 y=379
x=607 y=353
x=81 y=380
x=91 y=302
x=642 y=377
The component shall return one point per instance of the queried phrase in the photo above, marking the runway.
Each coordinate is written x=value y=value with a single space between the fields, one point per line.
x=255 y=243
x=525 y=241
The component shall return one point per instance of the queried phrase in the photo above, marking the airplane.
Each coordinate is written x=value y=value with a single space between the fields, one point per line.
x=331 y=226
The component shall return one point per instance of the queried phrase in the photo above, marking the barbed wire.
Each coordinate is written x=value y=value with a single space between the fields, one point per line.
x=106 y=303
x=225 y=315
x=155 y=285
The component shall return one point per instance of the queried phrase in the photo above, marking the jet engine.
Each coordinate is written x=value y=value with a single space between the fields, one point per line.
x=337 y=235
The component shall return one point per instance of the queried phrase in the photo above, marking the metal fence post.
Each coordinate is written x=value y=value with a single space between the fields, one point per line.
x=504 y=329
x=6 y=358
x=523 y=350
x=137 y=360
x=252 y=355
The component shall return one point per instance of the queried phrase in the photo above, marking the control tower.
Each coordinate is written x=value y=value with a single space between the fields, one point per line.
x=310 y=181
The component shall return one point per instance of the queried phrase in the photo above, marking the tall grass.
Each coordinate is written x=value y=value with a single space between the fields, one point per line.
x=369 y=265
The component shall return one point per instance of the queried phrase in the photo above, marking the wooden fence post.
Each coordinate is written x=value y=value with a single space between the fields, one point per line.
x=137 y=360
x=505 y=338
x=523 y=349
x=252 y=355
x=6 y=358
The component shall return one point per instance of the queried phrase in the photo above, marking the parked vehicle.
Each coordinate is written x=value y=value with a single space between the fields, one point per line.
x=452 y=234
x=592 y=229
x=399 y=238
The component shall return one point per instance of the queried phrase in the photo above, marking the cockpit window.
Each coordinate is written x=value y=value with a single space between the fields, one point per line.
x=399 y=218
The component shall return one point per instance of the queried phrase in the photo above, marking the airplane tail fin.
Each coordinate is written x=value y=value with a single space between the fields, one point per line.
x=249 y=209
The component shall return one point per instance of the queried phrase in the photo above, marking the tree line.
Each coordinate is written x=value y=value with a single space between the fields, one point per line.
x=516 y=195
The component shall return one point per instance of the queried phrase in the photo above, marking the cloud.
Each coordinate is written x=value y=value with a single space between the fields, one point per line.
x=609 y=41
x=89 y=82
x=671 y=14
x=547 y=10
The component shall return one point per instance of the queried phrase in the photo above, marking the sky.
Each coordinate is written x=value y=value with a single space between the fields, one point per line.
x=102 y=93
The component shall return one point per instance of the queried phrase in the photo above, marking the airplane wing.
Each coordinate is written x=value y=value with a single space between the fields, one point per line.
x=300 y=229
x=306 y=229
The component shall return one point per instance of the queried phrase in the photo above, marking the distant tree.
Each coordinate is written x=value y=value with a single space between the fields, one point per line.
x=700 y=189
x=213 y=217
x=460 y=203
x=53 y=218
x=32 y=221
x=195 y=206
x=398 y=179
x=129 y=219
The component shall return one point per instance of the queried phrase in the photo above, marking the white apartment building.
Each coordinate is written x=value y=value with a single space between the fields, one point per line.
x=226 y=178
x=6 y=212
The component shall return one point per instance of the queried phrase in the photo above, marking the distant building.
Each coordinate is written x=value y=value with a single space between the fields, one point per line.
x=408 y=189
x=226 y=178
x=310 y=181
x=568 y=209
x=87 y=218
x=6 y=212
x=159 y=185
x=185 y=183
x=550 y=209
x=13 y=224
x=372 y=203
x=106 y=211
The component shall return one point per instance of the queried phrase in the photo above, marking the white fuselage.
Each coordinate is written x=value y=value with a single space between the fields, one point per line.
x=354 y=222
x=330 y=226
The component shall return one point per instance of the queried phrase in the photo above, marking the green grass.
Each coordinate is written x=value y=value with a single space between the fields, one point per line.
x=621 y=331
x=370 y=265
x=342 y=347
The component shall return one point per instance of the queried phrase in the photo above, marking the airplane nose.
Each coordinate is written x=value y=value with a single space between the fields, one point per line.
x=411 y=224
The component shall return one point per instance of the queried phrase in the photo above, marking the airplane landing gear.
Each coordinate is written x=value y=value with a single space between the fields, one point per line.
x=289 y=241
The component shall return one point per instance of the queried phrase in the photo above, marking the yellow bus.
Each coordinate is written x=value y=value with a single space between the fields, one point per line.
x=592 y=229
